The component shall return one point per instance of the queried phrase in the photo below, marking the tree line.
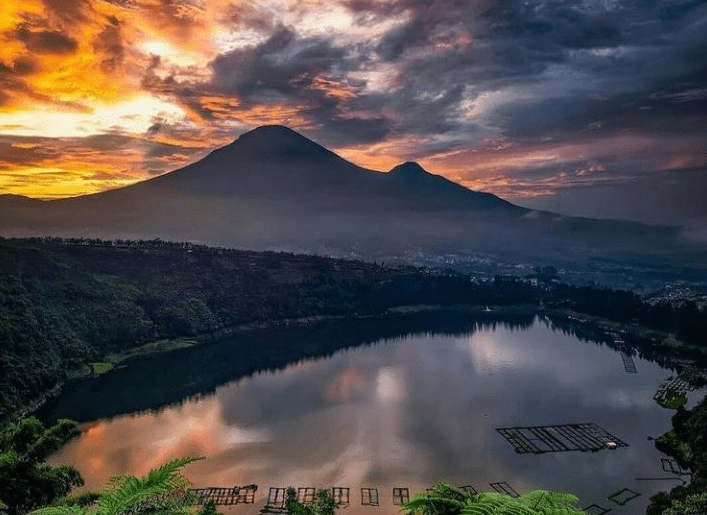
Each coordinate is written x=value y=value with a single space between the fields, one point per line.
x=67 y=303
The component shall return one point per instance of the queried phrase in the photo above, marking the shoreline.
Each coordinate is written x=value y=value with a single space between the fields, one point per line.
x=656 y=341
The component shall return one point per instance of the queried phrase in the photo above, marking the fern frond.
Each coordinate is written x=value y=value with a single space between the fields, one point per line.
x=424 y=504
x=538 y=502
x=441 y=498
x=450 y=491
x=477 y=509
x=551 y=503
x=115 y=483
x=158 y=481
x=61 y=510
x=419 y=502
x=166 y=471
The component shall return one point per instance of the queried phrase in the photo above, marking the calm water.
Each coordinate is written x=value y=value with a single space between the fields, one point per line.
x=404 y=411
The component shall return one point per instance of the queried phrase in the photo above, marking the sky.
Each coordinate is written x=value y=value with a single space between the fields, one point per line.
x=585 y=107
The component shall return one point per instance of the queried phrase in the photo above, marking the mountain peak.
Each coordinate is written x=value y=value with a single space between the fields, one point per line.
x=409 y=169
x=276 y=141
x=271 y=132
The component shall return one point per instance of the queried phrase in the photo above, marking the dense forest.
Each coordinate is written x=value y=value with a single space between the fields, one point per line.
x=687 y=443
x=67 y=303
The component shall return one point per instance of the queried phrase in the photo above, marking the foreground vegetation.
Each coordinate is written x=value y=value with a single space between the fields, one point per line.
x=161 y=491
x=687 y=443
x=27 y=484
x=445 y=499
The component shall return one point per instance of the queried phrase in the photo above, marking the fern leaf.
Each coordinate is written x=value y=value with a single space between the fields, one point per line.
x=552 y=503
x=416 y=503
x=61 y=510
x=115 y=483
x=477 y=509
x=158 y=481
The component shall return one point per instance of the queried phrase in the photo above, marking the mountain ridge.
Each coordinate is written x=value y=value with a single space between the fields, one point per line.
x=274 y=189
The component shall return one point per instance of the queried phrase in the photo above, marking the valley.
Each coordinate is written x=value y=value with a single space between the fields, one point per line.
x=273 y=189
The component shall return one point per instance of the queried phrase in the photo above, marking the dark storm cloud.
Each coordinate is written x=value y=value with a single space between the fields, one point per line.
x=68 y=12
x=15 y=151
x=638 y=49
x=47 y=42
x=154 y=129
x=150 y=79
x=102 y=142
x=109 y=44
x=188 y=94
x=155 y=150
x=444 y=55
x=280 y=67
x=289 y=68
x=246 y=15
x=14 y=78
x=678 y=113
x=400 y=39
x=544 y=25
x=450 y=52
x=666 y=197
x=347 y=131
x=19 y=67
x=627 y=49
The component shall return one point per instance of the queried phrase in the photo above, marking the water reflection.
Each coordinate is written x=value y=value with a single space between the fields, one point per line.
x=404 y=411
x=150 y=383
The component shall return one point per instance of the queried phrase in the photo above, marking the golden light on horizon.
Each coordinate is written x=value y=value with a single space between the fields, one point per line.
x=50 y=183
x=380 y=83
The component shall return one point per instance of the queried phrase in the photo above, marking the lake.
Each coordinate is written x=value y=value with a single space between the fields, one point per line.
x=403 y=410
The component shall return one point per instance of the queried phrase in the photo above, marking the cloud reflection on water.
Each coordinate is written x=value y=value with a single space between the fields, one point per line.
x=403 y=413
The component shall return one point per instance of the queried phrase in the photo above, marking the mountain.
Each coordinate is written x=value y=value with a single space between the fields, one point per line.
x=272 y=188
x=276 y=163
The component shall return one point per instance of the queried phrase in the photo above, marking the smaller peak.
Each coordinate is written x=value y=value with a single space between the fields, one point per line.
x=409 y=168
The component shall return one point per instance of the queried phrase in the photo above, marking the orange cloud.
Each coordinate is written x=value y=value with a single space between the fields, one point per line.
x=142 y=69
x=71 y=69
x=54 y=168
x=57 y=57
x=384 y=155
x=333 y=88
x=517 y=170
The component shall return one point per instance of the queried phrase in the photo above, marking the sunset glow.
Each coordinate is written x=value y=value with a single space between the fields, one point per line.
x=525 y=101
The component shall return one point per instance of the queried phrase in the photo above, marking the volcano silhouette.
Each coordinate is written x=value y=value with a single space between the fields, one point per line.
x=273 y=188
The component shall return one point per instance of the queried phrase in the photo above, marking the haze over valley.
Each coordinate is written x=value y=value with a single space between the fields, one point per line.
x=273 y=189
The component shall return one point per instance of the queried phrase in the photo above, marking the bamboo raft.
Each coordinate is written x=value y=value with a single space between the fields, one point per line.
x=560 y=438
x=226 y=496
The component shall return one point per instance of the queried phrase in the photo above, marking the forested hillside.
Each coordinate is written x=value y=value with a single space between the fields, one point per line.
x=67 y=303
